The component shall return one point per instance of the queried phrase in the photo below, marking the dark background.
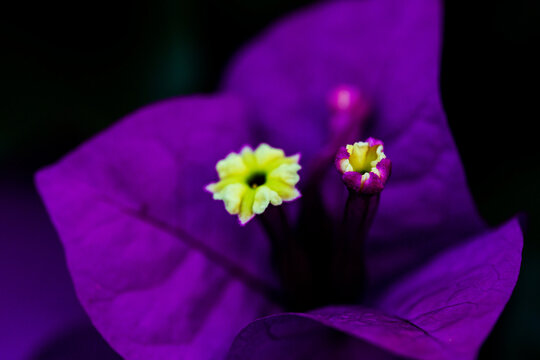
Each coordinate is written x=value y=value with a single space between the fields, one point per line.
x=69 y=69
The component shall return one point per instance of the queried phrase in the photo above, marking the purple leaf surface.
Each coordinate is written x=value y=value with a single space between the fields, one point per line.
x=162 y=270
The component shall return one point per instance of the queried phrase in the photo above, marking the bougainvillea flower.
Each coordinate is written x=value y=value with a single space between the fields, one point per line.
x=251 y=180
x=166 y=273
x=364 y=166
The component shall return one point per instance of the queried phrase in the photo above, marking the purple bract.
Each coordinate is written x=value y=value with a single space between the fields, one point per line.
x=165 y=273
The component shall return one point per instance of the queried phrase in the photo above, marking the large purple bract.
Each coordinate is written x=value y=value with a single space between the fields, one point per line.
x=165 y=273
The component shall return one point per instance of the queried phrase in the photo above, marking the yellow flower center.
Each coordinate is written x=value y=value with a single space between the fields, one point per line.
x=363 y=159
x=251 y=180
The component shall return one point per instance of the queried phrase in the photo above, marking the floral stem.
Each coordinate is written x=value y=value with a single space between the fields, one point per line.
x=275 y=224
x=348 y=263
x=290 y=260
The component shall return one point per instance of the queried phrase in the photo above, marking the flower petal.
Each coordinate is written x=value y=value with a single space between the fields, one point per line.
x=390 y=50
x=302 y=336
x=458 y=296
x=163 y=271
x=444 y=311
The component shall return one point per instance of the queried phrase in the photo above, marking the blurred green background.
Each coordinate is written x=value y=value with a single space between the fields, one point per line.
x=69 y=69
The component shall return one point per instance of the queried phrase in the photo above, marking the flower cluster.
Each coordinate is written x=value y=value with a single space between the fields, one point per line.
x=165 y=273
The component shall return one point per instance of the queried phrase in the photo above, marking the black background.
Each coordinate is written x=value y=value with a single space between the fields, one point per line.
x=69 y=69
